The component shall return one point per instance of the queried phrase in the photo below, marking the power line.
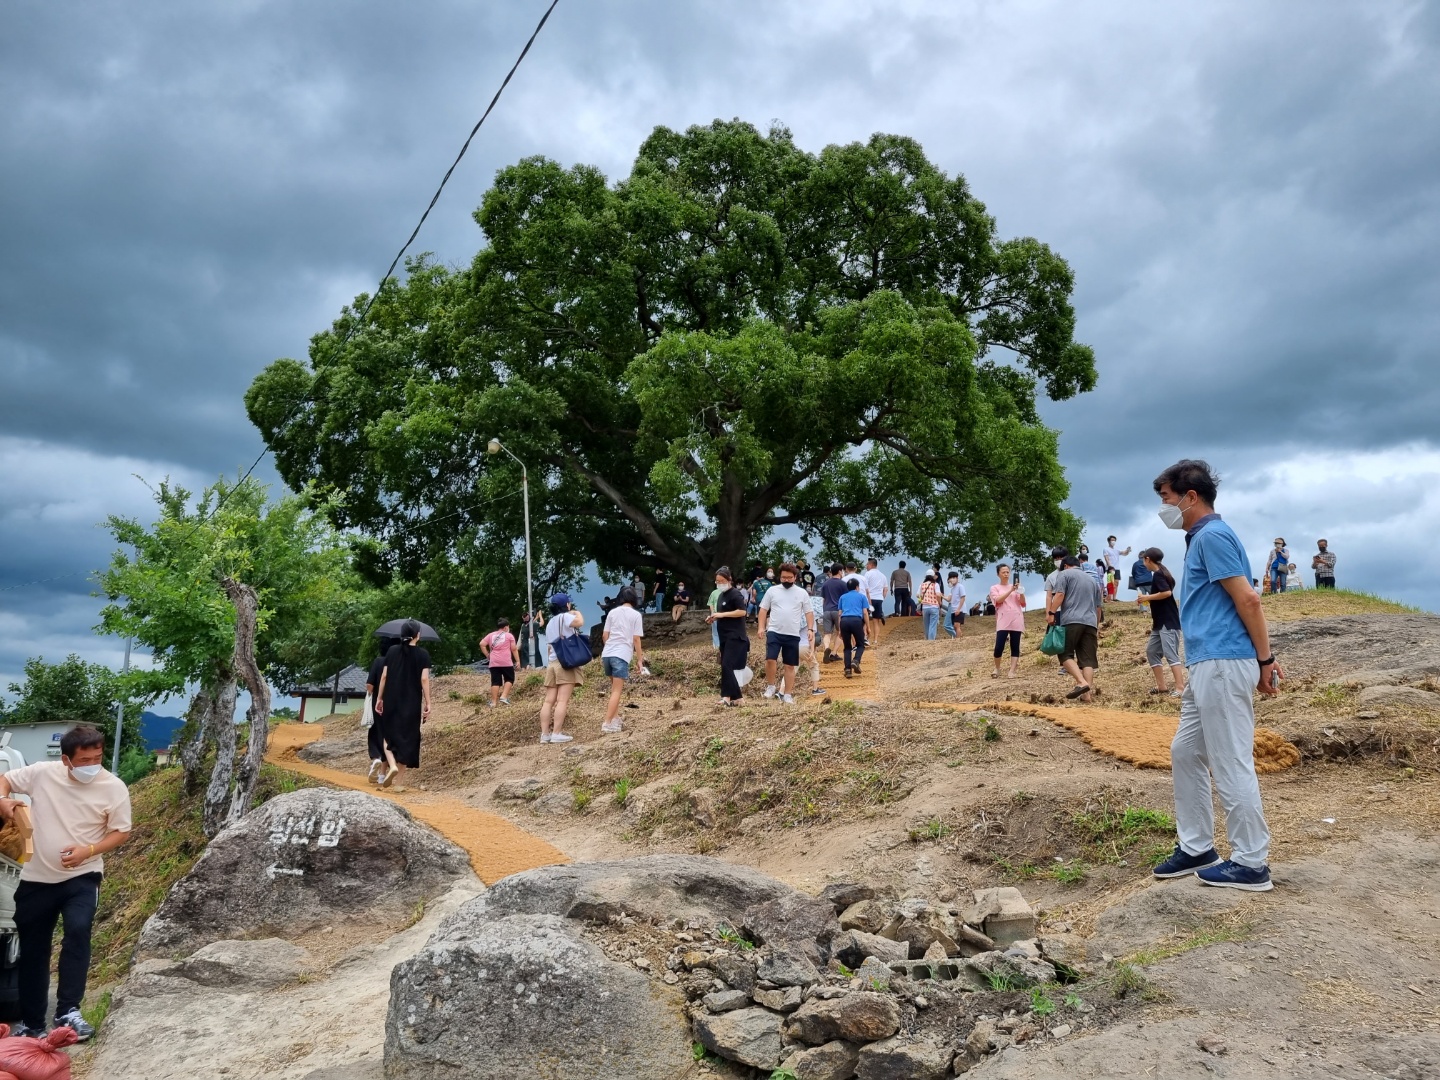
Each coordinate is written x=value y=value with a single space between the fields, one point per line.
x=360 y=320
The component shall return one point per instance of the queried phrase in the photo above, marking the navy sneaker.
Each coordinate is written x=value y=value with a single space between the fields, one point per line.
x=1231 y=875
x=24 y=1031
x=76 y=1023
x=1181 y=863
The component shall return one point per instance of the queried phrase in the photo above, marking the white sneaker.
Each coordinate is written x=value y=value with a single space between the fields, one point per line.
x=546 y=738
x=612 y=727
x=374 y=773
x=770 y=691
x=787 y=699
x=560 y=737
x=504 y=701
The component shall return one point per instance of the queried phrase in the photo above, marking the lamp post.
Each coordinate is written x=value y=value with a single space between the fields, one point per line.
x=495 y=447
x=120 y=713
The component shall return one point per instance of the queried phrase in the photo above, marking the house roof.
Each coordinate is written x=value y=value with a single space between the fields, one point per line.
x=352 y=681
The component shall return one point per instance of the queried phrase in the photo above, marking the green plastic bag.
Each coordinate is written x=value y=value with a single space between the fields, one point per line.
x=1053 y=644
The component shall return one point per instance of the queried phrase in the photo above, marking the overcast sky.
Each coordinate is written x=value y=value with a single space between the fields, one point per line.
x=1247 y=193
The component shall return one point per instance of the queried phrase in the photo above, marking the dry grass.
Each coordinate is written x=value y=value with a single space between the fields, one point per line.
x=1318 y=603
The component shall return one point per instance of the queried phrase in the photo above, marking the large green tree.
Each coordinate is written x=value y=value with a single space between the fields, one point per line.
x=739 y=336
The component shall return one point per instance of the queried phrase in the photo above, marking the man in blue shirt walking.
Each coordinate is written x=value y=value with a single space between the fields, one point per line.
x=1228 y=657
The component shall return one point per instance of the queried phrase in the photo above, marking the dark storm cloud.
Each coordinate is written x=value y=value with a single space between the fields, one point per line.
x=1246 y=194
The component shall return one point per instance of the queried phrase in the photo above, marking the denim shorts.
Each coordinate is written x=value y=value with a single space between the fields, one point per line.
x=614 y=667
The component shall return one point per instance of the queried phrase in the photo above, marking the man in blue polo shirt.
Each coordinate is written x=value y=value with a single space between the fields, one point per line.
x=1228 y=657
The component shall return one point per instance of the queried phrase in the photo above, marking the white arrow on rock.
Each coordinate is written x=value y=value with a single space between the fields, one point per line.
x=272 y=870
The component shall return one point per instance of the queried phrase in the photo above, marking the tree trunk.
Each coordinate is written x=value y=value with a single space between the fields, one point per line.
x=196 y=731
x=247 y=773
x=334 y=692
x=222 y=732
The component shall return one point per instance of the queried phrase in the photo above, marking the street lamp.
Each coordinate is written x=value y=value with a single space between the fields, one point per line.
x=495 y=447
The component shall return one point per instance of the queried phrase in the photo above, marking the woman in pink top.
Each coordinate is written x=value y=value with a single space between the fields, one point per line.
x=499 y=650
x=1009 y=601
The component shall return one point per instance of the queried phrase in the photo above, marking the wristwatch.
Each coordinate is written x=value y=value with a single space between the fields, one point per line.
x=1270 y=661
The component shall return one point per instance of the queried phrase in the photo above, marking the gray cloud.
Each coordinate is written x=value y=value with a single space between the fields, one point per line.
x=1246 y=194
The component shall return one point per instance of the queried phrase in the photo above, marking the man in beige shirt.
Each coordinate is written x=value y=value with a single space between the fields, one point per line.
x=79 y=811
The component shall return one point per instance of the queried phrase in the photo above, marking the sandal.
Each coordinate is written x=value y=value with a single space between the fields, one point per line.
x=1079 y=691
x=1152 y=692
x=390 y=774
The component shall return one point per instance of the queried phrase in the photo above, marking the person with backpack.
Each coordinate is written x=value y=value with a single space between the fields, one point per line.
x=499 y=647
x=930 y=595
x=1140 y=576
x=560 y=681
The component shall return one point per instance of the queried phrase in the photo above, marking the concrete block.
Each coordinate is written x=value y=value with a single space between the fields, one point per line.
x=1003 y=914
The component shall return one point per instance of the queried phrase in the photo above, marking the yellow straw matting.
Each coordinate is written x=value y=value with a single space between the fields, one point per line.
x=1142 y=739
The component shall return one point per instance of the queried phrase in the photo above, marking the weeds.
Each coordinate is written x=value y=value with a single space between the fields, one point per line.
x=582 y=799
x=1110 y=834
x=1024 y=872
x=97 y=1012
x=1069 y=873
x=731 y=936
x=989 y=731
x=1127 y=979
x=1331 y=695
x=1001 y=981
x=710 y=756
x=1073 y=1001
x=623 y=787
x=1211 y=932
x=934 y=829
x=784 y=1074
x=1040 y=1002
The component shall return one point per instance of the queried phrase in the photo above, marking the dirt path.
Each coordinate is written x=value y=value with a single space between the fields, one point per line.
x=497 y=847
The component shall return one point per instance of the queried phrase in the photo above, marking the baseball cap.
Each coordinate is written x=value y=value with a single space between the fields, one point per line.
x=560 y=599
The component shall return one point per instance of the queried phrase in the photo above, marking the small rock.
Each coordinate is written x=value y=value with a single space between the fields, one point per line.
x=527 y=788
x=978 y=969
x=866 y=915
x=785 y=1000
x=702 y=807
x=851 y=947
x=749 y=1036
x=904 y=1057
x=783 y=968
x=737 y=973
x=670 y=978
x=1061 y=1031
x=845 y=894
x=921 y=1001
x=831 y=1061
x=855 y=1017
x=695 y=959
x=936 y=952
x=1029 y=949
x=722 y=1001
x=1211 y=1044
x=977 y=1045
x=1368 y=714
x=873 y=972
x=641 y=963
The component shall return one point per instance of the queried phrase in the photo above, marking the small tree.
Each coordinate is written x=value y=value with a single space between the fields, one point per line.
x=225 y=593
x=75 y=692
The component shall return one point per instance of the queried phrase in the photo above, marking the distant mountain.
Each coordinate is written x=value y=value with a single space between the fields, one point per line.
x=157 y=731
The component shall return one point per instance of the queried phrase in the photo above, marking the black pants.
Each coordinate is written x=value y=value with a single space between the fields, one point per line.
x=375 y=741
x=852 y=632
x=1324 y=583
x=1001 y=637
x=733 y=652
x=902 y=602
x=37 y=907
x=877 y=610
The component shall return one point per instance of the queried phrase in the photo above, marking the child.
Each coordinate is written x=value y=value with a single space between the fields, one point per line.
x=1112 y=582
x=499 y=649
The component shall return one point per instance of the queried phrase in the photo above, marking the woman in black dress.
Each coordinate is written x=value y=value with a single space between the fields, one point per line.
x=404 y=701
x=374 y=735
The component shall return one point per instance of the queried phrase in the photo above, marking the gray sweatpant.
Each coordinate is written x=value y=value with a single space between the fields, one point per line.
x=1217 y=739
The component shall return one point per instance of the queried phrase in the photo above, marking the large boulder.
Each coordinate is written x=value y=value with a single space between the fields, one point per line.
x=799 y=922
x=492 y=998
x=658 y=888
x=511 y=986
x=860 y=1017
x=300 y=862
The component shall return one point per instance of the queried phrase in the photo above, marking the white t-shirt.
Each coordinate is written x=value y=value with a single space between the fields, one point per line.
x=787 y=609
x=957 y=597
x=66 y=812
x=624 y=624
x=564 y=621
x=855 y=577
x=1112 y=558
x=875 y=584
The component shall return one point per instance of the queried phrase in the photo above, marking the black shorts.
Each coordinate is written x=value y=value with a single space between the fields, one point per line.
x=957 y=617
x=782 y=647
x=1082 y=645
x=499 y=676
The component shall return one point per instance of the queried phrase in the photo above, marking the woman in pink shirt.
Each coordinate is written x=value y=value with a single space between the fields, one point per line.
x=499 y=650
x=1009 y=601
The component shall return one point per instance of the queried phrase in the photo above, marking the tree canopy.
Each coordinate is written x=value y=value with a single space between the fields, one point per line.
x=75 y=692
x=739 y=336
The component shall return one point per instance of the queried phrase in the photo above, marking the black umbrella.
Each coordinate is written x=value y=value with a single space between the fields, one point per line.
x=392 y=629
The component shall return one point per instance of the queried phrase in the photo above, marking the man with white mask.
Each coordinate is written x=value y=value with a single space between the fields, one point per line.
x=80 y=811
x=1228 y=658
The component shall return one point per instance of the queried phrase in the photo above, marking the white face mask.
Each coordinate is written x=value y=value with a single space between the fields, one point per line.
x=85 y=773
x=1172 y=516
